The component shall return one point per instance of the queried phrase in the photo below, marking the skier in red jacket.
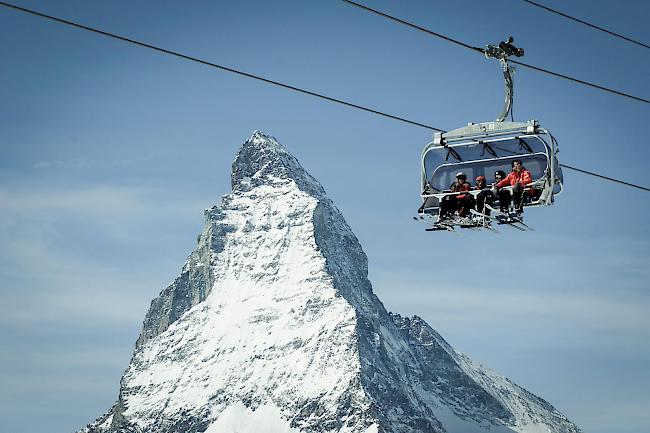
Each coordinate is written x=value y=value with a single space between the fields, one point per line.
x=518 y=178
x=461 y=203
x=483 y=197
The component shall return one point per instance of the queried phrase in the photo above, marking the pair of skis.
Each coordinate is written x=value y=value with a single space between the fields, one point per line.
x=449 y=224
x=511 y=218
x=480 y=221
x=436 y=226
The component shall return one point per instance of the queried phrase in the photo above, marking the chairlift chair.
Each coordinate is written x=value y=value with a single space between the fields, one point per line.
x=483 y=148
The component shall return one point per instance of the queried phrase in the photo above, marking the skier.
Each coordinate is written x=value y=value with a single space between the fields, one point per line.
x=504 y=198
x=518 y=178
x=460 y=203
x=485 y=196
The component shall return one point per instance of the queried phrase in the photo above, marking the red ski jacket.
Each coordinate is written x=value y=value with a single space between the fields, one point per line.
x=523 y=177
x=462 y=187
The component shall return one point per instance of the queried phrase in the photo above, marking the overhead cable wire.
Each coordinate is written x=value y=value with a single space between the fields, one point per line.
x=481 y=50
x=605 y=177
x=215 y=65
x=277 y=83
x=586 y=23
x=415 y=26
x=596 y=86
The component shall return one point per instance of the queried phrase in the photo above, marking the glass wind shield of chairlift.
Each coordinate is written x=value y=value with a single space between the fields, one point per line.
x=484 y=148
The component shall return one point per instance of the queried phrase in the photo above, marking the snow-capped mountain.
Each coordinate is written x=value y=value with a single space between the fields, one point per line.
x=272 y=327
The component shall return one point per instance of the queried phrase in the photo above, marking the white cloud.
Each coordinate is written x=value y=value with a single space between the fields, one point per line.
x=86 y=163
x=119 y=212
x=52 y=288
x=467 y=306
x=76 y=163
x=608 y=416
x=48 y=270
x=93 y=200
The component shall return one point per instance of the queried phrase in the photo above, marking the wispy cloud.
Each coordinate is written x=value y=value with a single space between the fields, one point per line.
x=51 y=264
x=81 y=163
x=76 y=163
x=92 y=198
x=465 y=307
x=608 y=416
x=48 y=286
x=115 y=209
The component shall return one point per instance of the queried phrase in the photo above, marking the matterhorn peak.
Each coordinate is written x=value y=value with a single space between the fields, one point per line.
x=262 y=160
x=272 y=327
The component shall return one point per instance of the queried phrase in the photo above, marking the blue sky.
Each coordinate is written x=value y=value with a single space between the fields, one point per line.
x=110 y=153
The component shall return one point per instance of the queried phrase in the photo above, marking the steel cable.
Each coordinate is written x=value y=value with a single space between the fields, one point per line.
x=481 y=50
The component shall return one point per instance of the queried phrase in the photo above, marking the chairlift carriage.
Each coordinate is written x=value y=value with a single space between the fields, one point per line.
x=481 y=149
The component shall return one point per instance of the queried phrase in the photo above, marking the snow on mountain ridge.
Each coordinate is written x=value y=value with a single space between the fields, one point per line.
x=273 y=316
x=262 y=160
x=514 y=405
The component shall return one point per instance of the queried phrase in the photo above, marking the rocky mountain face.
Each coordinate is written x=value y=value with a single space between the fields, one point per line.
x=272 y=327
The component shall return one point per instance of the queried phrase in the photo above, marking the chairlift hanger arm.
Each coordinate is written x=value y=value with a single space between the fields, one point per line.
x=501 y=52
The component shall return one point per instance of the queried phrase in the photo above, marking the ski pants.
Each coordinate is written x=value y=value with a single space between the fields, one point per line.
x=483 y=197
x=452 y=203
x=505 y=198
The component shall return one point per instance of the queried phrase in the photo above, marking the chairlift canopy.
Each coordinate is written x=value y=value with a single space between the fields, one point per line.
x=482 y=149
